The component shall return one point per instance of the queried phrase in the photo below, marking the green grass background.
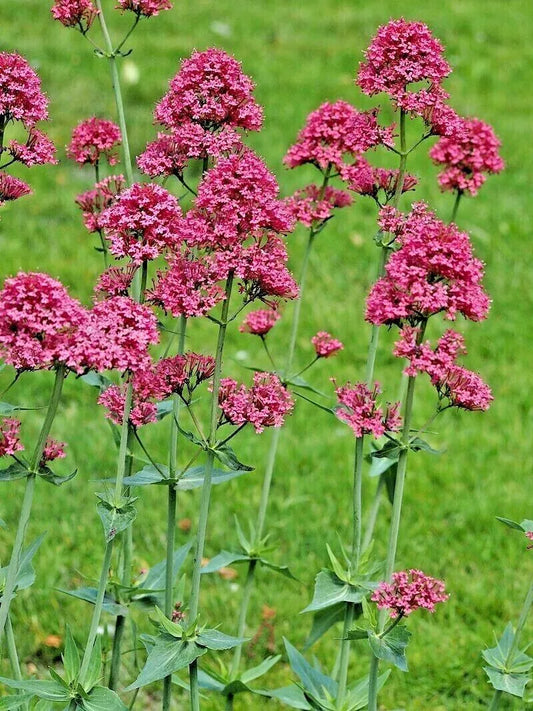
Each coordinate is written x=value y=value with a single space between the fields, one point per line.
x=300 y=54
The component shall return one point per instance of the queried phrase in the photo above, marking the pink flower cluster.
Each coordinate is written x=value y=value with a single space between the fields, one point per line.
x=9 y=437
x=113 y=399
x=433 y=270
x=21 y=98
x=37 y=150
x=359 y=409
x=115 y=281
x=53 y=449
x=142 y=222
x=409 y=591
x=334 y=132
x=260 y=322
x=468 y=156
x=210 y=89
x=39 y=322
x=325 y=345
x=12 y=188
x=314 y=206
x=367 y=180
x=75 y=13
x=92 y=139
x=265 y=404
x=94 y=202
x=145 y=8
x=463 y=388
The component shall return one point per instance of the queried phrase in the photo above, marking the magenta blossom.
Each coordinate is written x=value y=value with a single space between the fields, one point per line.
x=467 y=156
x=265 y=404
x=336 y=131
x=210 y=89
x=37 y=150
x=21 y=98
x=325 y=345
x=92 y=139
x=53 y=449
x=180 y=374
x=260 y=322
x=75 y=13
x=367 y=180
x=39 y=322
x=9 y=437
x=94 y=202
x=12 y=188
x=311 y=205
x=115 y=281
x=142 y=223
x=409 y=591
x=113 y=399
x=145 y=8
x=359 y=409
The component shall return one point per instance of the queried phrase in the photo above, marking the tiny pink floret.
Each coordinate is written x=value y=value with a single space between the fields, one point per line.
x=409 y=591
x=325 y=345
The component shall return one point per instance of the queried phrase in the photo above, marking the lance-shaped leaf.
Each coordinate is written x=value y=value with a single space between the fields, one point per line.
x=155 y=579
x=14 y=471
x=115 y=518
x=25 y=574
x=330 y=590
x=222 y=560
x=358 y=693
x=514 y=684
x=260 y=670
x=71 y=658
x=323 y=620
x=102 y=699
x=298 y=382
x=110 y=605
x=167 y=655
x=48 y=690
x=164 y=408
x=214 y=639
x=96 y=380
x=11 y=703
x=291 y=696
x=94 y=670
x=391 y=647
x=227 y=456
x=212 y=681
x=191 y=479
x=194 y=478
x=313 y=680
x=281 y=569
x=509 y=669
x=48 y=475
x=417 y=444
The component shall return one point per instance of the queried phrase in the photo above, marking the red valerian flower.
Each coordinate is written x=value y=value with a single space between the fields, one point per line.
x=313 y=205
x=37 y=150
x=12 y=188
x=265 y=404
x=21 y=98
x=145 y=8
x=325 y=345
x=260 y=322
x=367 y=180
x=409 y=591
x=9 y=437
x=467 y=156
x=74 y=13
x=94 y=202
x=92 y=139
x=115 y=281
x=113 y=399
x=359 y=409
x=53 y=449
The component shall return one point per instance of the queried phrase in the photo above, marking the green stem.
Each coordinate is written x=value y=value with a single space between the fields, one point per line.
x=345 y=654
x=12 y=650
x=206 y=488
x=111 y=56
x=526 y=607
x=128 y=33
x=241 y=626
x=95 y=621
x=229 y=702
x=456 y=205
x=118 y=634
x=11 y=574
x=373 y=515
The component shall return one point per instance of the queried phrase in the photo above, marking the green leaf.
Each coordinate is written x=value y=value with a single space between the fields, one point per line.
x=291 y=696
x=96 y=380
x=194 y=478
x=43 y=705
x=190 y=436
x=223 y=559
x=25 y=574
x=390 y=450
x=48 y=690
x=227 y=456
x=71 y=658
x=168 y=655
x=417 y=444
x=214 y=639
x=329 y=410
x=358 y=633
x=156 y=576
x=500 y=657
x=246 y=544
x=313 y=680
x=514 y=684
x=281 y=569
x=164 y=408
x=102 y=699
x=115 y=519
x=511 y=524
x=17 y=470
x=167 y=625
x=323 y=620
x=391 y=648
x=329 y=591
x=299 y=382
x=209 y=681
x=148 y=475
x=338 y=569
x=89 y=595
x=261 y=669
x=358 y=693
x=379 y=465
x=94 y=670
x=527 y=525
x=10 y=703
x=48 y=475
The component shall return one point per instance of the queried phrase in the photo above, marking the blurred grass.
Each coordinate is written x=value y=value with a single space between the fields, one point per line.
x=301 y=54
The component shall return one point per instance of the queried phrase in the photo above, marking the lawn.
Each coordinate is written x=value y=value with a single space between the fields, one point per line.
x=301 y=54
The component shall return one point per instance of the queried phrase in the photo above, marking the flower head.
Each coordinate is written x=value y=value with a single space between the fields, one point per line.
x=210 y=89
x=92 y=139
x=142 y=222
x=39 y=322
x=409 y=591
x=260 y=322
x=53 y=449
x=359 y=409
x=467 y=156
x=265 y=404
x=145 y=8
x=365 y=179
x=21 y=98
x=401 y=54
x=115 y=281
x=12 y=188
x=37 y=150
x=180 y=374
x=325 y=345
x=113 y=399
x=334 y=131
x=74 y=13
x=9 y=437
x=311 y=205
x=529 y=535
